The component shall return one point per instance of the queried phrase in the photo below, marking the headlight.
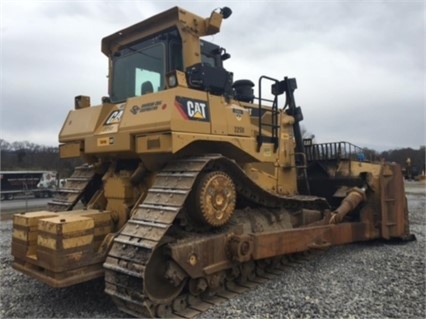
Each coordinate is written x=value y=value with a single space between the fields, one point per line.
x=171 y=80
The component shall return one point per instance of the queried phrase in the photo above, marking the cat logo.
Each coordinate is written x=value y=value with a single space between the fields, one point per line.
x=238 y=113
x=191 y=109
x=114 y=117
x=196 y=110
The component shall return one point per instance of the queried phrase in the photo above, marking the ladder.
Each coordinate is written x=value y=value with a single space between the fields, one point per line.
x=273 y=123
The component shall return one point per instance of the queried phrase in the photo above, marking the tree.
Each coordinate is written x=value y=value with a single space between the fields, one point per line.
x=24 y=155
x=400 y=156
x=4 y=145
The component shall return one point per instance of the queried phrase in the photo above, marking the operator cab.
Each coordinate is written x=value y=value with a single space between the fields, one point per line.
x=140 y=68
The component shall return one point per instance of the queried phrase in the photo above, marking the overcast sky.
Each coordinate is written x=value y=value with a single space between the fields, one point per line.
x=360 y=65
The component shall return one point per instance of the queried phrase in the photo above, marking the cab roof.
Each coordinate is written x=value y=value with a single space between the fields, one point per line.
x=173 y=17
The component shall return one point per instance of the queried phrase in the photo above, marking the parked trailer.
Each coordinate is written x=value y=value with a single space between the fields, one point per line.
x=37 y=183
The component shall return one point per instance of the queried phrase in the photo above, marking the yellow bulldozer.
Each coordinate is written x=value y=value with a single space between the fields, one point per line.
x=193 y=185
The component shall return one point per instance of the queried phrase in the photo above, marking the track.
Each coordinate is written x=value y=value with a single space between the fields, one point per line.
x=133 y=268
x=68 y=196
x=132 y=248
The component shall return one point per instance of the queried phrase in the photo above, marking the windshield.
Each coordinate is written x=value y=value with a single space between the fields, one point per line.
x=140 y=68
x=138 y=71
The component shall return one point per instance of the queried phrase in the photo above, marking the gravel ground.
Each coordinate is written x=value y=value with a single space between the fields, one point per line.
x=368 y=280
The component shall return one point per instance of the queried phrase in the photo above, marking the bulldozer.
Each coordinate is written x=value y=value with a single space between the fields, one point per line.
x=193 y=186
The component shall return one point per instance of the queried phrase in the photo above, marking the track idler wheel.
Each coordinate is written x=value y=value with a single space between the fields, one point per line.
x=215 y=199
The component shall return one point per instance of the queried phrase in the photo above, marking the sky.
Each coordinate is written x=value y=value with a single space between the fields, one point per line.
x=359 y=65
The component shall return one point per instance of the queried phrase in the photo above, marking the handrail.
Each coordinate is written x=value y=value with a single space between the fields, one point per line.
x=336 y=151
x=274 y=117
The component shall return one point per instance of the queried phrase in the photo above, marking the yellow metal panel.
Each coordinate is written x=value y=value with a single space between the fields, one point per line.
x=140 y=30
x=219 y=121
x=154 y=143
x=98 y=216
x=359 y=167
x=57 y=243
x=118 y=187
x=25 y=234
x=148 y=113
x=110 y=143
x=82 y=122
x=70 y=150
x=77 y=242
x=65 y=224
x=228 y=119
x=103 y=222
x=263 y=174
x=191 y=111
x=31 y=219
x=247 y=144
x=177 y=109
